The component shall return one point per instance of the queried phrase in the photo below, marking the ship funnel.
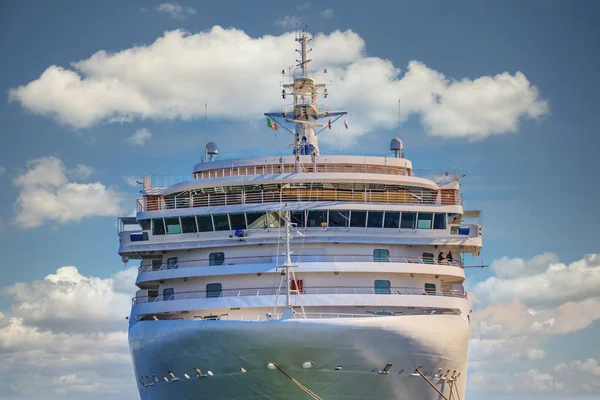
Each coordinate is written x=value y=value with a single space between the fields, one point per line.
x=396 y=147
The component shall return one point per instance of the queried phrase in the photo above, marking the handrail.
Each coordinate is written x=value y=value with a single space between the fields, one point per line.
x=305 y=258
x=315 y=290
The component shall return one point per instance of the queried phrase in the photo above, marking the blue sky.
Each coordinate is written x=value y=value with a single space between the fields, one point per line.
x=536 y=181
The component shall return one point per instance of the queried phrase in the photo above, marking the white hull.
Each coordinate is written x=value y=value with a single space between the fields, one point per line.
x=434 y=342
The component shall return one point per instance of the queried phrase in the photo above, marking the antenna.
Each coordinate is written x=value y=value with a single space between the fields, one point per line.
x=205 y=131
x=399 y=117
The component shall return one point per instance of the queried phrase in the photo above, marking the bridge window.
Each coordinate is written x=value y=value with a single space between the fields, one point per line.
x=172 y=263
x=375 y=219
x=205 y=223
x=358 y=219
x=216 y=258
x=221 y=222
x=158 y=226
x=425 y=220
x=392 y=219
x=317 y=218
x=173 y=226
x=382 y=287
x=381 y=255
x=430 y=289
x=256 y=220
x=339 y=218
x=168 y=294
x=408 y=220
x=238 y=221
x=188 y=225
x=439 y=221
x=214 y=290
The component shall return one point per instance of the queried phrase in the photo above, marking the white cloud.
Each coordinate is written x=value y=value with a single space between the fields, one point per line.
x=83 y=171
x=2 y=170
x=171 y=77
x=176 y=10
x=131 y=180
x=47 y=194
x=140 y=136
x=328 y=13
x=288 y=21
x=542 y=281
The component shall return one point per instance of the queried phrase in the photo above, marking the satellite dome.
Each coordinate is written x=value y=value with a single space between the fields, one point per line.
x=396 y=144
x=212 y=148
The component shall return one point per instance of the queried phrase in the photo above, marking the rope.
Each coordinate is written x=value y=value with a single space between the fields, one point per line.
x=301 y=386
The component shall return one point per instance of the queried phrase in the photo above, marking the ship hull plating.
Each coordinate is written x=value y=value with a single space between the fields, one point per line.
x=348 y=356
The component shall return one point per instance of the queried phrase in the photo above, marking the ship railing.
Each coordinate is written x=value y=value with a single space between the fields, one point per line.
x=339 y=315
x=272 y=291
x=299 y=259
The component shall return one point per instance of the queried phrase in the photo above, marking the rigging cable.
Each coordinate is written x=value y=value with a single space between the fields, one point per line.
x=301 y=386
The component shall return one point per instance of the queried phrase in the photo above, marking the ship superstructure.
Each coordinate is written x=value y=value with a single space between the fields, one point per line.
x=301 y=276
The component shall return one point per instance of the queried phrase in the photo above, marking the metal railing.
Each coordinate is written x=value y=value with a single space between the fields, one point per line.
x=305 y=258
x=271 y=291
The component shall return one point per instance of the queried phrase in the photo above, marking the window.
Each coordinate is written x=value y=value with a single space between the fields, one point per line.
x=428 y=258
x=408 y=220
x=317 y=218
x=188 y=224
x=221 y=222
x=439 y=221
x=214 y=290
x=298 y=218
x=381 y=255
x=382 y=287
x=172 y=263
x=173 y=226
x=383 y=313
x=158 y=226
x=256 y=220
x=339 y=218
x=216 y=258
x=168 y=294
x=238 y=221
x=375 y=219
x=392 y=219
x=430 y=289
x=358 y=219
x=205 y=223
x=425 y=220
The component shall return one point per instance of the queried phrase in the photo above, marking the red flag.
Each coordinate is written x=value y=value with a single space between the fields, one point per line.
x=329 y=123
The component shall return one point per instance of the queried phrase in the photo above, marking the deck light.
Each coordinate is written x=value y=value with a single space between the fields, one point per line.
x=307 y=364
x=271 y=365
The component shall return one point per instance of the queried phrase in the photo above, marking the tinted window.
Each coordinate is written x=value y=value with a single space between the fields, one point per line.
x=339 y=218
x=221 y=222
x=392 y=219
x=439 y=221
x=158 y=226
x=204 y=223
x=430 y=289
x=173 y=225
x=375 y=219
x=425 y=220
x=168 y=294
x=408 y=220
x=238 y=221
x=172 y=263
x=256 y=220
x=358 y=219
x=298 y=218
x=188 y=224
x=214 y=290
x=428 y=258
x=317 y=218
x=217 y=258
x=381 y=255
x=382 y=287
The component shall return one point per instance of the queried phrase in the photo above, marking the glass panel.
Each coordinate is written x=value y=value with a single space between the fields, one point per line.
x=358 y=219
x=339 y=218
x=275 y=219
x=383 y=313
x=381 y=255
x=425 y=220
x=430 y=289
x=168 y=294
x=428 y=258
x=158 y=226
x=298 y=218
x=392 y=219
x=382 y=287
x=439 y=221
x=317 y=218
x=238 y=221
x=375 y=219
x=205 y=223
x=172 y=263
x=188 y=224
x=173 y=226
x=214 y=290
x=221 y=222
x=408 y=220
x=256 y=220
x=217 y=258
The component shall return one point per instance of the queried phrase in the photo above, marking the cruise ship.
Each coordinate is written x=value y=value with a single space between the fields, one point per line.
x=304 y=276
